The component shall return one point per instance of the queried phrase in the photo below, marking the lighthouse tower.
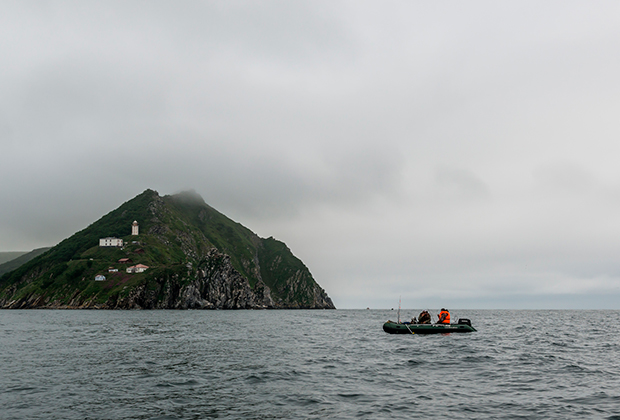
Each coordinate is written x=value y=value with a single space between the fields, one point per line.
x=134 y=228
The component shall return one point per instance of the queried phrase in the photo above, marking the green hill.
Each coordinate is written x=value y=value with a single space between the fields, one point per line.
x=9 y=256
x=20 y=259
x=197 y=257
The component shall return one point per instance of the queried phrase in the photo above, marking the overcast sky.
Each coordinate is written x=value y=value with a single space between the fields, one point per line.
x=459 y=154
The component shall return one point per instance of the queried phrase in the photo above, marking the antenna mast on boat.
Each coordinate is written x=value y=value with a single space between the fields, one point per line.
x=399 y=309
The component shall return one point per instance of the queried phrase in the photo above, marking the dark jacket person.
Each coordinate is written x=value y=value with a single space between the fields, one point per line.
x=424 y=318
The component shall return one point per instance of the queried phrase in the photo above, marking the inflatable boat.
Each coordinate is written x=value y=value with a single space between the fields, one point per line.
x=463 y=326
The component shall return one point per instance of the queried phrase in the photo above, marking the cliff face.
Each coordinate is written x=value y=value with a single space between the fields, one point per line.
x=197 y=259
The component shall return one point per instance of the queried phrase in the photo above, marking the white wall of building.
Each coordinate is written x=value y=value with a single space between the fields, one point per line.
x=110 y=242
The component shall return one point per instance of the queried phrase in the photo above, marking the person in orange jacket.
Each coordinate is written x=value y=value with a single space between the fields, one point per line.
x=444 y=317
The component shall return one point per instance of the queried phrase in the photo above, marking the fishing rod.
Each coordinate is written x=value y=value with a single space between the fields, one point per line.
x=407 y=326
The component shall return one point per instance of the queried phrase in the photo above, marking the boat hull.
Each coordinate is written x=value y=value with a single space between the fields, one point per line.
x=396 y=328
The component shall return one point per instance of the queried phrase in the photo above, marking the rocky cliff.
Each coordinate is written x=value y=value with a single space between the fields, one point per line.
x=196 y=257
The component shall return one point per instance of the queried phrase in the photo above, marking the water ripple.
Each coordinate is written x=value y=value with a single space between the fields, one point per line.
x=303 y=364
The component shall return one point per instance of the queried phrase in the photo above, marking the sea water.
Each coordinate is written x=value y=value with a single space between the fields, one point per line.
x=285 y=364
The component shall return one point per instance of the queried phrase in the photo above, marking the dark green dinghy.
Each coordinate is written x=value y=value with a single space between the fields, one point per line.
x=463 y=326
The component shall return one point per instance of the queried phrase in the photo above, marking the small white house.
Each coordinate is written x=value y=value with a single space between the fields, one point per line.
x=141 y=268
x=111 y=242
x=134 y=228
x=112 y=270
x=99 y=277
x=138 y=268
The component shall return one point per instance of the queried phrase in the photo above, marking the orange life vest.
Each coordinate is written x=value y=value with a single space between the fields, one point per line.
x=446 y=319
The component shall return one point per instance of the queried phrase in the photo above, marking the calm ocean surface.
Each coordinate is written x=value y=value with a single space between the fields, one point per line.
x=306 y=364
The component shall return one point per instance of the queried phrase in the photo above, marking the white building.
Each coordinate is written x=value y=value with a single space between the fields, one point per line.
x=139 y=268
x=99 y=277
x=110 y=242
x=134 y=228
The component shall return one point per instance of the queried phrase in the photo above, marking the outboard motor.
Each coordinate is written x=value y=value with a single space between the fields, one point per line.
x=465 y=321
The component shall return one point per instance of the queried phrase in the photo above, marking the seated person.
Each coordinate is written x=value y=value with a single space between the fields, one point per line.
x=424 y=318
x=444 y=317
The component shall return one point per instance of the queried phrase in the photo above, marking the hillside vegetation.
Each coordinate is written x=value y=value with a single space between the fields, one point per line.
x=9 y=256
x=20 y=259
x=197 y=257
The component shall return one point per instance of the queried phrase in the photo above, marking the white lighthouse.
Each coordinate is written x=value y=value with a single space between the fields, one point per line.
x=134 y=228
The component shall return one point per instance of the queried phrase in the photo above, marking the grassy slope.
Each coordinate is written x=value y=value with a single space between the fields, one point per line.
x=63 y=268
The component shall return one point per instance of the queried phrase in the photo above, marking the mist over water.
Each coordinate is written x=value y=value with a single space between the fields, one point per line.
x=305 y=364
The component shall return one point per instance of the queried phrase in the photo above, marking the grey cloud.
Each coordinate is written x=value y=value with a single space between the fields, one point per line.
x=401 y=144
x=564 y=177
x=460 y=184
